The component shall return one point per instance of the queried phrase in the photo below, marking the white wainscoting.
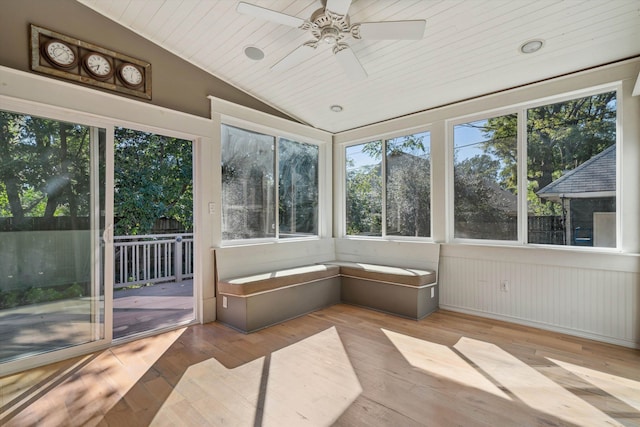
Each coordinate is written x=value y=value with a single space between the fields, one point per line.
x=592 y=295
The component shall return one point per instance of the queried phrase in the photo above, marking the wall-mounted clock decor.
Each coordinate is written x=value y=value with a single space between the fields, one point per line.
x=72 y=59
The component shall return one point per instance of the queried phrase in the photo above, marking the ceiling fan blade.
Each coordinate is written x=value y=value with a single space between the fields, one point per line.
x=269 y=15
x=340 y=7
x=349 y=62
x=392 y=30
x=300 y=54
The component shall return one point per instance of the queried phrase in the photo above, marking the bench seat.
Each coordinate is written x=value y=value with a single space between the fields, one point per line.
x=406 y=292
x=384 y=273
x=257 y=301
x=257 y=283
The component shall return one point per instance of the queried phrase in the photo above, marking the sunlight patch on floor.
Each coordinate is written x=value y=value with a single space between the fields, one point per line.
x=530 y=386
x=311 y=382
x=438 y=359
x=621 y=388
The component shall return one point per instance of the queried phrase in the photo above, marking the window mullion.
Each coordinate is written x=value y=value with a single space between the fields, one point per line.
x=276 y=181
x=523 y=182
x=383 y=174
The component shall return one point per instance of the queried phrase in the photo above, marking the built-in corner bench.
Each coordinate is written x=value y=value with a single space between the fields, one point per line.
x=258 y=296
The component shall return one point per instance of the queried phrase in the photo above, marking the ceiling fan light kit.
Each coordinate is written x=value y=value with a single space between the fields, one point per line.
x=331 y=26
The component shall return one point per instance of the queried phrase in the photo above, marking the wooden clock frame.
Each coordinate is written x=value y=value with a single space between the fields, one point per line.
x=79 y=71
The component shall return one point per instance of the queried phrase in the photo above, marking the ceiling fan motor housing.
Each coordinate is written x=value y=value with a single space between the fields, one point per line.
x=328 y=26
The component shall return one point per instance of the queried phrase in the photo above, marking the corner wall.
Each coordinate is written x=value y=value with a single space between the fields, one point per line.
x=592 y=293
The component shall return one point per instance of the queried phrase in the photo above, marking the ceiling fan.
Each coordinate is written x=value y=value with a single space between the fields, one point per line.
x=330 y=25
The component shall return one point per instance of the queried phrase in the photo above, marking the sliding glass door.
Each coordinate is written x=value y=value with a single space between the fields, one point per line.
x=52 y=204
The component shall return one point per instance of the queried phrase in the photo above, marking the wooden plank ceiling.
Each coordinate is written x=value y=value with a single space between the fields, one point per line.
x=470 y=48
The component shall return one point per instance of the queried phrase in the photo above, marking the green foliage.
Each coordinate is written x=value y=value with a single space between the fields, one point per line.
x=153 y=179
x=364 y=201
x=19 y=297
x=407 y=186
x=73 y=291
x=43 y=168
x=560 y=137
x=482 y=207
x=38 y=295
x=9 y=299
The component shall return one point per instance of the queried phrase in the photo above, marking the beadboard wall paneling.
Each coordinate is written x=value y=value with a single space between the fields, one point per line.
x=593 y=303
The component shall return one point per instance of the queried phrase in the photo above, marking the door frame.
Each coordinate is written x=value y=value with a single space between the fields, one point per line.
x=27 y=93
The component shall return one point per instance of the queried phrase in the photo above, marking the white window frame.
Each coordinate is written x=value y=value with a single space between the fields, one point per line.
x=341 y=159
x=521 y=111
x=226 y=113
x=450 y=221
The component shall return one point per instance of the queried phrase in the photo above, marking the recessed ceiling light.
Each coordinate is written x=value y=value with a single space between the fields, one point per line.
x=336 y=108
x=253 y=53
x=531 y=46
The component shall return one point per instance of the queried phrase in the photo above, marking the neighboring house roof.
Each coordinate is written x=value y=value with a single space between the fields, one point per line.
x=593 y=179
x=504 y=200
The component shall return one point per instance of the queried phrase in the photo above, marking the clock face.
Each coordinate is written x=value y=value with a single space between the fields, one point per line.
x=60 y=54
x=131 y=75
x=98 y=66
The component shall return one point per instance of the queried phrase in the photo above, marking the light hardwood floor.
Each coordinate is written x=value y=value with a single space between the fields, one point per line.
x=344 y=366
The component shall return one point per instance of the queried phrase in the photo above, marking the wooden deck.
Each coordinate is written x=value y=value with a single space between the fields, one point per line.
x=343 y=366
x=151 y=307
x=39 y=327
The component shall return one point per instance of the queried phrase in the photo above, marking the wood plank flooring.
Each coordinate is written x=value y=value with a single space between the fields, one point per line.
x=343 y=366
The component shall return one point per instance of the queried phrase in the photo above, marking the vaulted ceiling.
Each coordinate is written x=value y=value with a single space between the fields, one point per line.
x=469 y=48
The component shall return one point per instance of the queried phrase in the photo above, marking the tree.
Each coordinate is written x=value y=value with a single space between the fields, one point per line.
x=364 y=201
x=482 y=207
x=560 y=137
x=407 y=186
x=44 y=168
x=153 y=179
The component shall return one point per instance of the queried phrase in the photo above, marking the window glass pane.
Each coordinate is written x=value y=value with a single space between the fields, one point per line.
x=571 y=171
x=408 y=186
x=364 y=189
x=153 y=232
x=51 y=197
x=485 y=179
x=248 y=187
x=298 y=188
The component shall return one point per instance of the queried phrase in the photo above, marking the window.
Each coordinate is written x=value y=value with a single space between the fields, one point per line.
x=297 y=188
x=571 y=172
x=400 y=207
x=485 y=179
x=257 y=193
x=570 y=186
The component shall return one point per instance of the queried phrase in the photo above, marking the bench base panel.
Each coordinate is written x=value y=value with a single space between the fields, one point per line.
x=405 y=301
x=254 y=312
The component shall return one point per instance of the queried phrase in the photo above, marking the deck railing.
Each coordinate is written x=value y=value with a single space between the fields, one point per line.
x=152 y=258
